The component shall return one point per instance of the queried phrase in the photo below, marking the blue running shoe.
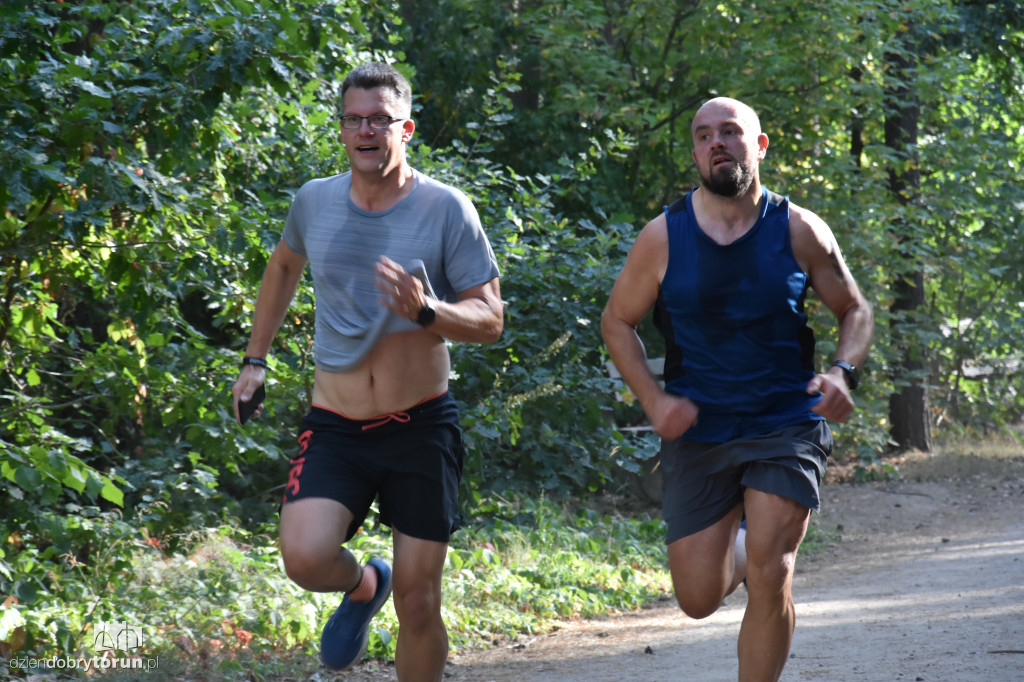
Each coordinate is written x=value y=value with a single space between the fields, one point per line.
x=346 y=634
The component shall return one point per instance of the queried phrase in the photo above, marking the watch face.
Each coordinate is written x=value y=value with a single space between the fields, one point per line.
x=427 y=315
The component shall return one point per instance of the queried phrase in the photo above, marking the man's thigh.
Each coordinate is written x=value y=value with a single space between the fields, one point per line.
x=418 y=567
x=313 y=525
x=775 y=526
x=702 y=564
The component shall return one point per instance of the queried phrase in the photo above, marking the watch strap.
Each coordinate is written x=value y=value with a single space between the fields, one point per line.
x=255 y=362
x=849 y=373
x=427 y=315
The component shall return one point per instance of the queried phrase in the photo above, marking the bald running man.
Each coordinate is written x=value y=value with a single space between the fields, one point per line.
x=743 y=413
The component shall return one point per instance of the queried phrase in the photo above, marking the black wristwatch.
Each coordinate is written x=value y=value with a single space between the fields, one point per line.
x=849 y=373
x=427 y=315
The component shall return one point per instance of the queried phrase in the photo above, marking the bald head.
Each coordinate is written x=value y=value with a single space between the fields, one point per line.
x=728 y=146
x=726 y=108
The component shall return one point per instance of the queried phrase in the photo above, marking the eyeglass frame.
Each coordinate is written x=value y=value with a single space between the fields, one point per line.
x=359 y=124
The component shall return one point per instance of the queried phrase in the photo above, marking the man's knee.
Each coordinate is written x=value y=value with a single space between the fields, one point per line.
x=770 y=573
x=311 y=533
x=419 y=607
x=697 y=606
x=305 y=566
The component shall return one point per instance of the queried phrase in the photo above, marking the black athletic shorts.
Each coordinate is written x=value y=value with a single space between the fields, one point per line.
x=412 y=461
x=702 y=482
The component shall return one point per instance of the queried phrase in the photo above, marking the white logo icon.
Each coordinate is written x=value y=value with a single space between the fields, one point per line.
x=117 y=636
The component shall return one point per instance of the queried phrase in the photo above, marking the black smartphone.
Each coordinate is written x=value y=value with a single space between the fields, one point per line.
x=246 y=409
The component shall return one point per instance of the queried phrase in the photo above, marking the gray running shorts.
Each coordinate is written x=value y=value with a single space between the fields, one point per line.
x=702 y=482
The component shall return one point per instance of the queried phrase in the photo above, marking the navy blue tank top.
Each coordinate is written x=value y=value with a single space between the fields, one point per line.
x=736 y=334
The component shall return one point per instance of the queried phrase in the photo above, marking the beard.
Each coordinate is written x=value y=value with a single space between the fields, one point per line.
x=728 y=182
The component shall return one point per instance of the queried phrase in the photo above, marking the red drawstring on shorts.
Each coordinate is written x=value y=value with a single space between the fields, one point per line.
x=402 y=417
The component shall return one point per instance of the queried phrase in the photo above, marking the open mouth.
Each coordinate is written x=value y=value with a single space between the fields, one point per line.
x=720 y=160
x=366 y=148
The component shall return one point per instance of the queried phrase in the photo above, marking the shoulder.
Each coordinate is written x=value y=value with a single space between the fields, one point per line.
x=650 y=249
x=637 y=286
x=807 y=229
x=449 y=204
x=337 y=180
x=811 y=238
x=434 y=190
x=313 y=196
x=680 y=205
x=654 y=233
x=437 y=189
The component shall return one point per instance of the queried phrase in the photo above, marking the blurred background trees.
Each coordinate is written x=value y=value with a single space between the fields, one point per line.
x=151 y=149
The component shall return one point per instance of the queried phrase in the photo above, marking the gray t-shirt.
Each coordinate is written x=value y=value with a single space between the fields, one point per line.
x=435 y=223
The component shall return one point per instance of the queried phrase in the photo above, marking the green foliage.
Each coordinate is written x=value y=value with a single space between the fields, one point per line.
x=616 y=86
x=542 y=388
x=222 y=594
x=150 y=151
x=145 y=190
x=141 y=186
x=543 y=562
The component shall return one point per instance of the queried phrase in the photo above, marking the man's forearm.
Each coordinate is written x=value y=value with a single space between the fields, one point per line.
x=471 y=320
x=856 y=329
x=630 y=357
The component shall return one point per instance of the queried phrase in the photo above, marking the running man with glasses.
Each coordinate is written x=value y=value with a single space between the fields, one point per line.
x=400 y=264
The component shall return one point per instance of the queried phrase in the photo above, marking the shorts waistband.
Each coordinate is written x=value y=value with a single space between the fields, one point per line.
x=401 y=416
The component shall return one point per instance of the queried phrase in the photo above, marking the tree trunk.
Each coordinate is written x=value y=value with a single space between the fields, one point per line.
x=908 y=408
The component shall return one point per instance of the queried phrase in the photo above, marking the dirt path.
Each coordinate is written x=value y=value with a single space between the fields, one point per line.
x=927 y=583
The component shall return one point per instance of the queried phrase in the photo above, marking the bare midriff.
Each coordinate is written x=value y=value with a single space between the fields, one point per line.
x=401 y=371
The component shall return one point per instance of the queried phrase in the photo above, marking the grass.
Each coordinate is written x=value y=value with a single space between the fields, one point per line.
x=219 y=606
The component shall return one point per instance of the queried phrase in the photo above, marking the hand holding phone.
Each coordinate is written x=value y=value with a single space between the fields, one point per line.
x=245 y=409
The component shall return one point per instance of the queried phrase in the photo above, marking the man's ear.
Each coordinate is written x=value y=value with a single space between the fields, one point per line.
x=762 y=146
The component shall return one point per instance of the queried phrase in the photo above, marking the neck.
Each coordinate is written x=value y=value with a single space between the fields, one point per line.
x=380 y=192
x=737 y=210
x=726 y=219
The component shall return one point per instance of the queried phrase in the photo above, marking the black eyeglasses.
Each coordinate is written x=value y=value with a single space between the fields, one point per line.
x=377 y=121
